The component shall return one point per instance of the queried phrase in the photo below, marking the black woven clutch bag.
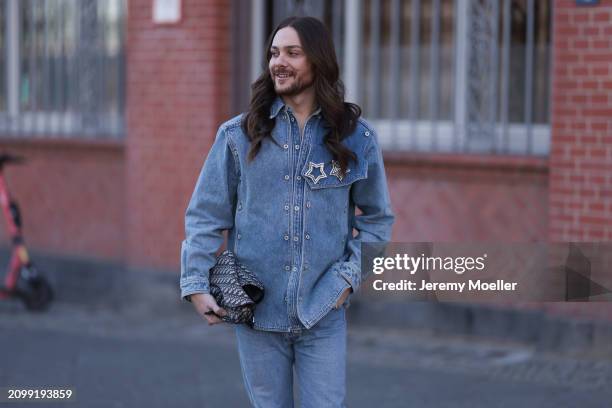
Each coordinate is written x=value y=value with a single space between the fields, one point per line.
x=235 y=288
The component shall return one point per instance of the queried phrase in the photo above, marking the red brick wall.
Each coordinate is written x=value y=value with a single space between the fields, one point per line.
x=581 y=154
x=71 y=196
x=468 y=198
x=178 y=94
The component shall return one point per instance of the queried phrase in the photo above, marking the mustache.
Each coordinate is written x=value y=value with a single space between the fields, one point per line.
x=281 y=71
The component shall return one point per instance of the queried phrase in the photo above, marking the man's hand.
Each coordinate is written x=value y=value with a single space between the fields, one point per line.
x=343 y=297
x=207 y=307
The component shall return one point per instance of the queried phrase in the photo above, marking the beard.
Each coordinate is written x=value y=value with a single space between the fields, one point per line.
x=296 y=87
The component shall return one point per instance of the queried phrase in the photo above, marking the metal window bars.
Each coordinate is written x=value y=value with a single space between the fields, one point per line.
x=445 y=75
x=65 y=68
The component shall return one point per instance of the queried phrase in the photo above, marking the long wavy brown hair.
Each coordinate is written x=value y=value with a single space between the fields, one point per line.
x=340 y=117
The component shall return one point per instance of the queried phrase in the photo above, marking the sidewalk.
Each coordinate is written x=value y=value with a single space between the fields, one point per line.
x=149 y=349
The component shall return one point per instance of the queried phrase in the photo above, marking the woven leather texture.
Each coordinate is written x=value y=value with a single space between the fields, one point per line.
x=235 y=288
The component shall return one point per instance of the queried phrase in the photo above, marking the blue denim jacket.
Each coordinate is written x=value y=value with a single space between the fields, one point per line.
x=290 y=216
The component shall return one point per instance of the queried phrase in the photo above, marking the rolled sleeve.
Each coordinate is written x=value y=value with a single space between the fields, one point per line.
x=374 y=224
x=210 y=211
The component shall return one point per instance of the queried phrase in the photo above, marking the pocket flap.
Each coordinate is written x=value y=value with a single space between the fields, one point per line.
x=326 y=173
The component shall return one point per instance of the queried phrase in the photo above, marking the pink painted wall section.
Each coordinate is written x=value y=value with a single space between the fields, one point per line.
x=71 y=196
x=463 y=198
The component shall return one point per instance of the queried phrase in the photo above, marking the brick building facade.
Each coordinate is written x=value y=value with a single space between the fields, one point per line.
x=124 y=200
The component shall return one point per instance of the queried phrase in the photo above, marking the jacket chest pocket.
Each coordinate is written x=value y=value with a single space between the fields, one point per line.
x=321 y=171
x=328 y=198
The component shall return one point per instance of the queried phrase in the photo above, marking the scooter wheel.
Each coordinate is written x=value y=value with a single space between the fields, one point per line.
x=36 y=292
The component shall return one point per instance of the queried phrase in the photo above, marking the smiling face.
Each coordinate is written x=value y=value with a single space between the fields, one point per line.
x=289 y=68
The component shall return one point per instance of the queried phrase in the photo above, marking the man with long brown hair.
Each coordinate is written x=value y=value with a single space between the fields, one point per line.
x=285 y=179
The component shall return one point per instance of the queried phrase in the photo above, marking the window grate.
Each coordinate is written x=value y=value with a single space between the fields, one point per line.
x=65 y=68
x=442 y=75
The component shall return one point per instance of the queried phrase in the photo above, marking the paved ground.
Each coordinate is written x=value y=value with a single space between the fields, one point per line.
x=156 y=352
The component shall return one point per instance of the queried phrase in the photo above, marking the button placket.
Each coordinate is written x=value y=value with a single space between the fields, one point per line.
x=295 y=222
x=296 y=208
x=297 y=219
x=288 y=203
x=299 y=190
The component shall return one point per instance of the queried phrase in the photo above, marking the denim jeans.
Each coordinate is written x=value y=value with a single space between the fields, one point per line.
x=318 y=355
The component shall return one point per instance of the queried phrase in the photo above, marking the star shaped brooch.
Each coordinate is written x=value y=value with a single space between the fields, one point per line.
x=337 y=171
x=311 y=166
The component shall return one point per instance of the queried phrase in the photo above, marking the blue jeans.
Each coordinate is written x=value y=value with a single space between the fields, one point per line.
x=318 y=355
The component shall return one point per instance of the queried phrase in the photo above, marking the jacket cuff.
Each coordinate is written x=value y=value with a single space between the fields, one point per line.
x=193 y=286
x=350 y=271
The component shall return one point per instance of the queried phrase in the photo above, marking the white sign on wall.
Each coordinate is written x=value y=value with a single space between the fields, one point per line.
x=166 y=11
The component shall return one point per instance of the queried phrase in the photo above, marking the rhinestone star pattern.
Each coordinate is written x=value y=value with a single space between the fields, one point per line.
x=311 y=166
x=337 y=171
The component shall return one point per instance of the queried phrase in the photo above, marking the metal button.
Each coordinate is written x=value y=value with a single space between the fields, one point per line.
x=296 y=238
x=286 y=207
x=296 y=208
x=299 y=177
x=294 y=268
x=307 y=236
x=287 y=267
x=286 y=177
x=307 y=204
x=297 y=147
x=286 y=146
x=286 y=237
x=367 y=133
x=292 y=119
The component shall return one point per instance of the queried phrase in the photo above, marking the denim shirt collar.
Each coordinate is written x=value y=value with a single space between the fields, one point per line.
x=278 y=105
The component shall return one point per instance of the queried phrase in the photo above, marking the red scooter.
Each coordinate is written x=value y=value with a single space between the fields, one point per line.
x=23 y=280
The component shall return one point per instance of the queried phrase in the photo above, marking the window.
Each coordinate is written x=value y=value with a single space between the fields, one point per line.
x=443 y=75
x=397 y=51
x=63 y=69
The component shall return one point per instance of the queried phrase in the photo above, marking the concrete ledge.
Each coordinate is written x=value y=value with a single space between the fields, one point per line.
x=532 y=327
x=73 y=279
x=94 y=283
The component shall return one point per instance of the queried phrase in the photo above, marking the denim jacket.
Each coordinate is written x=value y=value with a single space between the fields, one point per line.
x=290 y=214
